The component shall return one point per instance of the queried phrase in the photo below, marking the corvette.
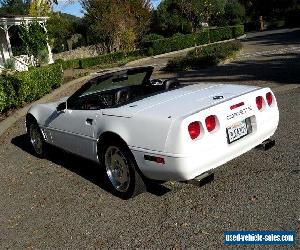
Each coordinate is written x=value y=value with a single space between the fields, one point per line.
x=140 y=129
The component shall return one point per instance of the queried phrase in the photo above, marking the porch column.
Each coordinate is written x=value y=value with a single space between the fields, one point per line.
x=49 y=53
x=50 y=56
x=7 y=39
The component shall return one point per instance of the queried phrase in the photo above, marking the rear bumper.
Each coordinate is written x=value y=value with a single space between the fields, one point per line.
x=183 y=168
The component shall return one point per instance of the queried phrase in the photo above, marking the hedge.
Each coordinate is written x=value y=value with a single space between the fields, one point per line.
x=151 y=37
x=69 y=64
x=205 y=57
x=220 y=34
x=102 y=59
x=37 y=82
x=28 y=86
x=154 y=44
x=180 y=42
x=238 y=31
x=7 y=93
x=116 y=57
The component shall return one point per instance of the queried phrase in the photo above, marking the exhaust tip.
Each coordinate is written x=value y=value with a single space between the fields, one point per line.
x=202 y=179
x=266 y=145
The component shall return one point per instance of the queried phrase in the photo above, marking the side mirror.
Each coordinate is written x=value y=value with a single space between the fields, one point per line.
x=61 y=107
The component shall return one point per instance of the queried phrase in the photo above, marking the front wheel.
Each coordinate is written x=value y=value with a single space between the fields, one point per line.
x=36 y=139
x=121 y=171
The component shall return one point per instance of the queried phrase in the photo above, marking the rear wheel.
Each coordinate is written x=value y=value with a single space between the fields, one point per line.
x=121 y=171
x=36 y=139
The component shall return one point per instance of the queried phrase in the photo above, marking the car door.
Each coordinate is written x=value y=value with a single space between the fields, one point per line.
x=73 y=130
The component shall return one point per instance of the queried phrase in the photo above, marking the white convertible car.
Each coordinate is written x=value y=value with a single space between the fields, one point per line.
x=139 y=129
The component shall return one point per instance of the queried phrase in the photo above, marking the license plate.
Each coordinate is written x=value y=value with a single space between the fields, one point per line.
x=238 y=130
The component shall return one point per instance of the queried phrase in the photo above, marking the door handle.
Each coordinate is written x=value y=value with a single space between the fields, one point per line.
x=89 y=121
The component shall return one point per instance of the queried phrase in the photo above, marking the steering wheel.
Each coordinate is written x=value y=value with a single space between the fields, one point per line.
x=122 y=95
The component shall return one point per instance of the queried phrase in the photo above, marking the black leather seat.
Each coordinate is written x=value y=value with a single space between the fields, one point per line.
x=122 y=95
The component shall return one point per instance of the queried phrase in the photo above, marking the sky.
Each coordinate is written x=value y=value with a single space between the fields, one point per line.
x=75 y=9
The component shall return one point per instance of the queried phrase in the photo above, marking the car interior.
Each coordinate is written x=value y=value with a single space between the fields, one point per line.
x=126 y=92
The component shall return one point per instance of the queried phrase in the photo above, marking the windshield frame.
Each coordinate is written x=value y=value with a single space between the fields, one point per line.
x=99 y=79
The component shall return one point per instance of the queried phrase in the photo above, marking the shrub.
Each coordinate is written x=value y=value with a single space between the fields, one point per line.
x=179 y=41
x=33 y=38
x=177 y=35
x=187 y=63
x=152 y=37
x=220 y=34
x=9 y=64
x=205 y=57
x=59 y=61
x=103 y=59
x=69 y=64
x=37 y=82
x=43 y=56
x=116 y=57
x=172 y=44
x=127 y=41
x=8 y=97
x=137 y=53
x=28 y=86
x=202 y=37
x=150 y=51
x=238 y=31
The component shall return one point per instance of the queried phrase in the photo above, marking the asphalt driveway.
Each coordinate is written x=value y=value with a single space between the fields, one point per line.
x=62 y=201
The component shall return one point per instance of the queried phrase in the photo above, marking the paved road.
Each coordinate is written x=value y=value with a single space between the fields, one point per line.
x=270 y=58
x=62 y=202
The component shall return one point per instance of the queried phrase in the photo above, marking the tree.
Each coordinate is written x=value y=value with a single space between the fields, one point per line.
x=234 y=13
x=52 y=2
x=39 y=8
x=201 y=11
x=60 y=28
x=14 y=7
x=187 y=15
x=268 y=8
x=111 y=21
x=21 y=7
x=34 y=39
x=169 y=18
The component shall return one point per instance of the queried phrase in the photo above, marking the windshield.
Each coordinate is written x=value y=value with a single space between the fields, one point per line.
x=111 y=89
x=124 y=79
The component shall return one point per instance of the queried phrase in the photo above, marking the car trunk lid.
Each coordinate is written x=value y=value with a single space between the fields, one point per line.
x=183 y=101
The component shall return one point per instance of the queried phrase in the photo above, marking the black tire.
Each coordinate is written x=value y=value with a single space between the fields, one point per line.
x=134 y=184
x=36 y=139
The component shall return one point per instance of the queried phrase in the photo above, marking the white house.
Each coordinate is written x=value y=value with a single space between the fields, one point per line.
x=21 y=61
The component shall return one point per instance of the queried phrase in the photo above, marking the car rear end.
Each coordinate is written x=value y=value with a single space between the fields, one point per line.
x=205 y=139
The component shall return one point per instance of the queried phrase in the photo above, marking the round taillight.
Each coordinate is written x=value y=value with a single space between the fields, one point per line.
x=210 y=123
x=269 y=98
x=259 y=102
x=194 y=130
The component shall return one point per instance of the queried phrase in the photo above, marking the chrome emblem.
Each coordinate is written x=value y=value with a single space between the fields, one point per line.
x=218 y=97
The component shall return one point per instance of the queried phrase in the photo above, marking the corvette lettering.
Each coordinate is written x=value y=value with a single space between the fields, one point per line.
x=238 y=113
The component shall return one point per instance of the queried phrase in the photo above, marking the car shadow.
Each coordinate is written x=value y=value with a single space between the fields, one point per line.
x=87 y=169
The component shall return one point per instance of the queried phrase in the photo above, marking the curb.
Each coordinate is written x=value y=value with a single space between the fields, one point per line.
x=11 y=120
